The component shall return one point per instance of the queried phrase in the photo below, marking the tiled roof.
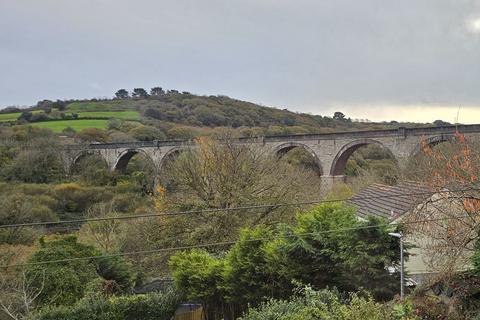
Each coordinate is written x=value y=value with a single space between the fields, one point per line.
x=389 y=202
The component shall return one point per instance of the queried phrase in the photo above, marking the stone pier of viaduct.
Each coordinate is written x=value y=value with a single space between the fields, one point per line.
x=330 y=150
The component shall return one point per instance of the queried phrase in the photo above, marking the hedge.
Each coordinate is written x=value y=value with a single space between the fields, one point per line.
x=152 y=306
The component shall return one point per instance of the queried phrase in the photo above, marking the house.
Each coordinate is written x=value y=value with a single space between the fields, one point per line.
x=389 y=202
x=402 y=204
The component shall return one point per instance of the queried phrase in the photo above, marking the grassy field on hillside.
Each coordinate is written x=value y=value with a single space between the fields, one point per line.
x=9 y=116
x=125 y=115
x=77 y=125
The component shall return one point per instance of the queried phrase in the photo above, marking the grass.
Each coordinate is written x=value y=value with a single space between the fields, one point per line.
x=125 y=115
x=116 y=109
x=77 y=125
x=9 y=116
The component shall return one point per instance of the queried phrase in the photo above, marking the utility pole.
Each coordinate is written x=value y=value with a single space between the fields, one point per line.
x=402 y=263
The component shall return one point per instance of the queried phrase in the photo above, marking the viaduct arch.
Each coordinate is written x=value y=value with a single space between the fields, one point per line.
x=125 y=157
x=340 y=161
x=282 y=149
x=330 y=150
x=82 y=154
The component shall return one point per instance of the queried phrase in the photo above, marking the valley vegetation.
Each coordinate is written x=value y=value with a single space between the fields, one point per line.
x=244 y=254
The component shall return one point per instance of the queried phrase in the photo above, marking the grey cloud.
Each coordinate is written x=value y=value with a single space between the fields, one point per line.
x=307 y=55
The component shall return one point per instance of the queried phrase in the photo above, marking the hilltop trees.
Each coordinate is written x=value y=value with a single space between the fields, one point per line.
x=157 y=91
x=441 y=123
x=339 y=116
x=122 y=94
x=139 y=93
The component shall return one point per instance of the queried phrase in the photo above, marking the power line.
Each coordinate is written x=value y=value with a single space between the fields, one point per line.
x=251 y=207
x=223 y=243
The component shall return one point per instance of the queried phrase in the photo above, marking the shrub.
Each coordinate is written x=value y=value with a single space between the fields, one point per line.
x=93 y=135
x=61 y=283
x=309 y=304
x=116 y=269
x=38 y=117
x=310 y=252
x=476 y=258
x=144 y=133
x=152 y=306
x=18 y=207
x=199 y=274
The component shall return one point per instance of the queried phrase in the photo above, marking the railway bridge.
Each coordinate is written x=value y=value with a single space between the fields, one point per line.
x=330 y=150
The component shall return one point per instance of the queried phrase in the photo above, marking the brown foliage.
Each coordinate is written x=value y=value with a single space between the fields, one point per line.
x=451 y=171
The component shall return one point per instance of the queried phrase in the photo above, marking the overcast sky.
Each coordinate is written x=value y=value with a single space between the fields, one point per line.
x=415 y=60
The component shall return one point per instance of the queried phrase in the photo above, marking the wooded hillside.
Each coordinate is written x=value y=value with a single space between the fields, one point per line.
x=177 y=115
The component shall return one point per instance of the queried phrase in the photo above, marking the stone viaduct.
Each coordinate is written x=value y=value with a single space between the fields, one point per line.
x=330 y=150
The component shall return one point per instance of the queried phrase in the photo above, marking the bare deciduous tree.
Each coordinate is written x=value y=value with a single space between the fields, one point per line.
x=18 y=296
x=221 y=175
x=17 y=292
x=452 y=214
x=104 y=233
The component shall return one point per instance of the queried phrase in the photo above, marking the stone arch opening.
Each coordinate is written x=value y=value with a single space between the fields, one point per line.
x=308 y=157
x=124 y=159
x=419 y=161
x=166 y=171
x=136 y=167
x=90 y=167
x=339 y=164
x=84 y=156
x=432 y=142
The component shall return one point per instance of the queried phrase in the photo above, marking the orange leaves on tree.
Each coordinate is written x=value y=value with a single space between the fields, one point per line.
x=471 y=205
x=160 y=198
x=457 y=168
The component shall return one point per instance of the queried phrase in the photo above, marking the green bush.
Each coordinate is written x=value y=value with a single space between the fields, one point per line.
x=144 y=133
x=199 y=274
x=116 y=269
x=309 y=304
x=311 y=251
x=61 y=283
x=20 y=208
x=151 y=306
x=476 y=258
